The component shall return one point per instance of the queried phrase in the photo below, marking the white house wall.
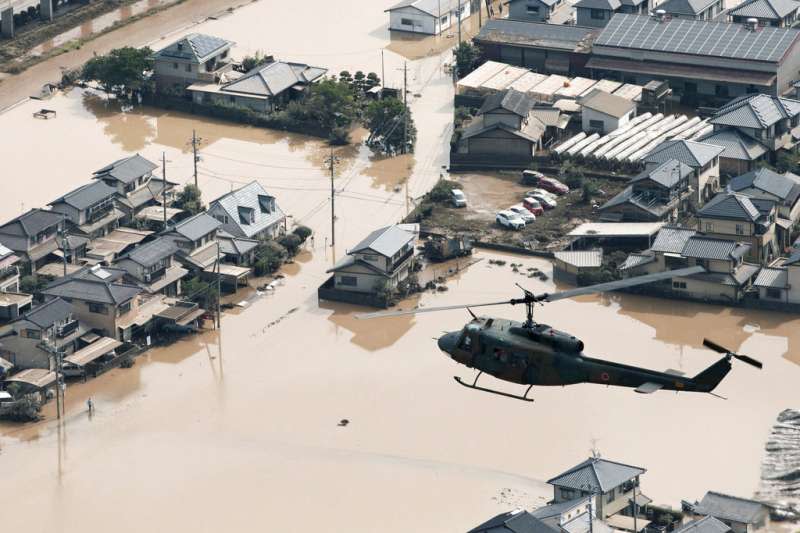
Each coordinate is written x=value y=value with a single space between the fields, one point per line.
x=423 y=22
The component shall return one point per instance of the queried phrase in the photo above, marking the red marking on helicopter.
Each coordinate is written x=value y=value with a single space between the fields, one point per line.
x=604 y=376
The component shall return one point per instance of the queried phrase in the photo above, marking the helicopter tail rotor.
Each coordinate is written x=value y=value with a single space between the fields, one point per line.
x=743 y=358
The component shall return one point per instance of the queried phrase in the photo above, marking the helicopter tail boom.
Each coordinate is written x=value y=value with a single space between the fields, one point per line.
x=708 y=379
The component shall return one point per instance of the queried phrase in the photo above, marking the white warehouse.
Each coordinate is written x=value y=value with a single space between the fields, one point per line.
x=431 y=17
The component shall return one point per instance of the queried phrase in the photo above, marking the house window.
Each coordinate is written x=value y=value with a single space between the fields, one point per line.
x=567 y=494
x=597 y=14
x=188 y=68
x=596 y=125
x=266 y=203
x=406 y=22
x=709 y=227
x=232 y=99
x=175 y=66
x=739 y=229
x=349 y=281
x=443 y=20
x=124 y=308
x=678 y=284
x=532 y=10
x=100 y=309
x=773 y=293
x=33 y=333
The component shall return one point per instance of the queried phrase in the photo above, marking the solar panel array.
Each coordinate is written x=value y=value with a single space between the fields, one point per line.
x=697 y=37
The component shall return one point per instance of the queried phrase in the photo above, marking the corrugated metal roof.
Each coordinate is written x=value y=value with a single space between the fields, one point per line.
x=735 y=144
x=776 y=278
x=697 y=37
x=701 y=247
x=511 y=100
x=596 y=474
x=558 y=36
x=730 y=205
x=731 y=508
x=195 y=46
x=707 y=524
x=616 y=229
x=672 y=240
x=127 y=169
x=581 y=258
x=766 y=9
x=757 y=111
x=695 y=154
x=556 y=509
x=608 y=104
x=431 y=7
x=637 y=260
x=386 y=241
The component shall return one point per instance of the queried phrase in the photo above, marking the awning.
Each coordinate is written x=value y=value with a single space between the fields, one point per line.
x=6 y=365
x=35 y=377
x=97 y=349
x=783 y=223
x=642 y=500
x=172 y=275
x=228 y=271
x=625 y=523
x=190 y=317
x=90 y=337
x=145 y=312
x=690 y=72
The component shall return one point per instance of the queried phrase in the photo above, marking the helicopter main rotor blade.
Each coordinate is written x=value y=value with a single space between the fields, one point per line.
x=743 y=358
x=623 y=283
x=383 y=314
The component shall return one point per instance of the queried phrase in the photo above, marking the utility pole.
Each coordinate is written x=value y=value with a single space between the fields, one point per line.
x=64 y=249
x=219 y=287
x=405 y=107
x=458 y=16
x=59 y=390
x=480 y=13
x=195 y=143
x=164 y=184
x=383 y=75
x=635 y=510
x=331 y=162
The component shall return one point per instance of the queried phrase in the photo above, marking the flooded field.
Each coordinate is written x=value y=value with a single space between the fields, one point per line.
x=240 y=426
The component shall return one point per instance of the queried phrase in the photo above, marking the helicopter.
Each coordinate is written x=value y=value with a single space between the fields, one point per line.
x=531 y=353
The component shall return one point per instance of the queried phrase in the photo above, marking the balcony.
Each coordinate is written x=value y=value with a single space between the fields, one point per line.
x=211 y=71
x=8 y=273
x=402 y=259
x=66 y=329
x=96 y=213
x=155 y=275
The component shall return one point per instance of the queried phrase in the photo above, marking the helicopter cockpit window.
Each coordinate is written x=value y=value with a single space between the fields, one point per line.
x=466 y=344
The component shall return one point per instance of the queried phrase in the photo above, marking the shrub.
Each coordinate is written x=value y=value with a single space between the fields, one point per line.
x=589 y=191
x=32 y=284
x=201 y=292
x=441 y=191
x=574 y=182
x=339 y=136
x=291 y=242
x=304 y=232
x=269 y=258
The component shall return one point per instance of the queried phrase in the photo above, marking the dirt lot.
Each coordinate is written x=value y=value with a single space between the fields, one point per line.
x=489 y=193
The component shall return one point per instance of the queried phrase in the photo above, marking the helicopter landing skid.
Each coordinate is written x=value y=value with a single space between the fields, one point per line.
x=474 y=386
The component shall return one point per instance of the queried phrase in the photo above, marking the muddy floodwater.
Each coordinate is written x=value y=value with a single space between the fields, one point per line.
x=237 y=427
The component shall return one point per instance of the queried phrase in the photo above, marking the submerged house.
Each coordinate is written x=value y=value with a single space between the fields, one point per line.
x=431 y=17
x=196 y=58
x=603 y=112
x=136 y=187
x=552 y=11
x=263 y=89
x=249 y=212
x=737 y=217
x=90 y=209
x=33 y=236
x=702 y=158
x=196 y=238
x=777 y=13
x=739 y=514
x=152 y=267
x=693 y=9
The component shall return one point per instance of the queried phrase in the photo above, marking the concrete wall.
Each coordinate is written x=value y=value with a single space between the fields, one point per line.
x=609 y=123
x=704 y=290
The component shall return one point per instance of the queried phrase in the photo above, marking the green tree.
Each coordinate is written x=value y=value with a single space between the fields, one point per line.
x=291 y=242
x=252 y=61
x=467 y=56
x=201 y=292
x=269 y=257
x=330 y=104
x=372 y=81
x=384 y=120
x=121 y=71
x=359 y=81
x=190 y=199
x=32 y=284
x=589 y=191
x=304 y=232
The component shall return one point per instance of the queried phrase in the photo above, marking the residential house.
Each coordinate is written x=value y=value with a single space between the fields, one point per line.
x=552 y=11
x=741 y=153
x=571 y=265
x=658 y=193
x=263 y=89
x=701 y=157
x=544 y=48
x=249 y=212
x=152 y=267
x=101 y=300
x=196 y=238
x=603 y=112
x=237 y=250
x=132 y=178
x=697 y=57
x=554 y=120
x=33 y=340
x=783 y=189
x=9 y=271
x=33 y=236
x=740 y=514
x=692 y=9
x=430 y=17
x=90 y=209
x=516 y=521
x=595 y=13
x=737 y=217
x=191 y=59
x=780 y=282
x=375 y=265
x=777 y=13
x=707 y=524
x=504 y=127
x=612 y=486
x=771 y=121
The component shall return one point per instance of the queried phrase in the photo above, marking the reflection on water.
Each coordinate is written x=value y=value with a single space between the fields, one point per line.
x=370 y=335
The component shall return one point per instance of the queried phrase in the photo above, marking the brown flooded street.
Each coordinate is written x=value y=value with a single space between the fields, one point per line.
x=238 y=427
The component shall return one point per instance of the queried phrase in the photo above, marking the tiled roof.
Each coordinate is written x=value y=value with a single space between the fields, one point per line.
x=736 y=145
x=47 y=314
x=127 y=169
x=532 y=131
x=558 y=36
x=685 y=7
x=518 y=521
x=756 y=111
x=669 y=173
x=765 y=9
x=255 y=199
x=511 y=100
x=692 y=153
x=596 y=474
x=386 y=241
x=608 y=5
x=195 y=227
x=555 y=509
x=777 y=278
x=636 y=260
x=87 y=195
x=150 y=253
x=94 y=284
x=731 y=508
x=196 y=47
x=769 y=181
x=274 y=78
x=701 y=247
x=732 y=206
x=672 y=239
x=608 y=104
x=32 y=223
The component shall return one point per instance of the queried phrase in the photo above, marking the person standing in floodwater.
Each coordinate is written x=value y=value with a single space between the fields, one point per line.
x=90 y=405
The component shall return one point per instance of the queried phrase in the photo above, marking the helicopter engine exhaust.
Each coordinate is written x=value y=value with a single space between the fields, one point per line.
x=559 y=340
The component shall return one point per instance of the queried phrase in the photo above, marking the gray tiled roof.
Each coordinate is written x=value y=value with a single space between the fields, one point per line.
x=87 y=195
x=608 y=5
x=47 y=314
x=386 y=241
x=695 y=154
x=756 y=111
x=707 y=524
x=777 y=278
x=518 y=521
x=668 y=174
x=431 y=7
x=596 y=474
x=274 y=78
x=672 y=239
x=637 y=260
x=88 y=285
x=701 y=247
x=195 y=47
x=150 y=253
x=195 y=227
x=31 y=223
x=735 y=144
x=251 y=197
x=531 y=131
x=731 y=508
x=555 y=509
x=127 y=169
x=511 y=100
x=544 y=35
x=608 y=104
x=697 y=37
x=230 y=245
x=769 y=181
x=765 y=9
x=732 y=206
x=685 y=7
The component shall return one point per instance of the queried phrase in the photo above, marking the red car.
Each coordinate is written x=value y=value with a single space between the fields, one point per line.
x=533 y=205
x=553 y=185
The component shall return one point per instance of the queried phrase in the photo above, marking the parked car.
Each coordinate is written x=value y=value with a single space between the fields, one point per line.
x=534 y=192
x=547 y=201
x=553 y=185
x=509 y=219
x=523 y=213
x=457 y=198
x=533 y=205
x=531 y=177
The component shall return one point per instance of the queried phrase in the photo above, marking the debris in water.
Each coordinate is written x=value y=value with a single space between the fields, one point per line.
x=343 y=422
x=780 y=469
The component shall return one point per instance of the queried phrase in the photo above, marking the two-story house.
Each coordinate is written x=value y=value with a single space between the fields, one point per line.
x=739 y=514
x=783 y=189
x=379 y=262
x=703 y=158
x=249 y=212
x=654 y=194
x=692 y=9
x=504 y=127
x=152 y=267
x=613 y=488
x=737 y=217
x=33 y=236
x=780 y=282
x=777 y=13
x=136 y=187
x=572 y=516
x=706 y=524
x=9 y=271
x=90 y=210
x=100 y=299
x=196 y=238
x=595 y=13
x=552 y=11
x=191 y=59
